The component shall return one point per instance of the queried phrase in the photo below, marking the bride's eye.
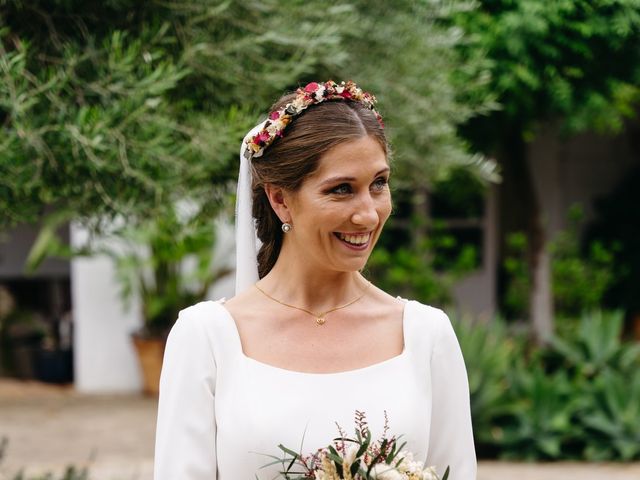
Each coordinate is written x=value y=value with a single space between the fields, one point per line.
x=342 y=189
x=380 y=183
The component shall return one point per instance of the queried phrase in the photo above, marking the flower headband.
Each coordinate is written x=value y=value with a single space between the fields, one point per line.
x=312 y=94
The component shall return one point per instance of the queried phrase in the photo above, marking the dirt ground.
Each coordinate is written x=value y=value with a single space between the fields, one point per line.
x=49 y=428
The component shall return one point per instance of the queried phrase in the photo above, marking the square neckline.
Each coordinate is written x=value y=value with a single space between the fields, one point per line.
x=268 y=366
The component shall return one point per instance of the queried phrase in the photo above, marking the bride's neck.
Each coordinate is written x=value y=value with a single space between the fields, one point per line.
x=303 y=284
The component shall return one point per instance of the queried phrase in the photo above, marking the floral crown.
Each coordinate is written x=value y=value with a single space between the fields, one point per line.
x=312 y=94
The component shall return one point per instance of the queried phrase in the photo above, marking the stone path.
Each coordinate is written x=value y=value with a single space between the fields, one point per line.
x=51 y=427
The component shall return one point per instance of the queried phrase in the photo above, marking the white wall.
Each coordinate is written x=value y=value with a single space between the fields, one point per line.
x=104 y=358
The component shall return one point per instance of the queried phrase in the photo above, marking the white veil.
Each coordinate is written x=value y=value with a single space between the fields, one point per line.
x=247 y=243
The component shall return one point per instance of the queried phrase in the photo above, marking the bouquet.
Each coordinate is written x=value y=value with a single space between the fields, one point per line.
x=357 y=458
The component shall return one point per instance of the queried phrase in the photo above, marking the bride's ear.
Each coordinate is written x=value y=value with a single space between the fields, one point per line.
x=279 y=200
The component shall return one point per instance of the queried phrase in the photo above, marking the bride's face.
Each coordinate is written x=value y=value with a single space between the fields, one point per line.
x=339 y=211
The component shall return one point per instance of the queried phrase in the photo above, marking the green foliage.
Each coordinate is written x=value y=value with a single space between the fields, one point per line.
x=539 y=422
x=592 y=346
x=119 y=108
x=426 y=85
x=516 y=266
x=579 y=280
x=576 y=398
x=459 y=195
x=603 y=369
x=409 y=274
x=489 y=375
x=93 y=133
x=611 y=421
x=169 y=262
x=576 y=60
x=418 y=272
x=581 y=276
x=617 y=227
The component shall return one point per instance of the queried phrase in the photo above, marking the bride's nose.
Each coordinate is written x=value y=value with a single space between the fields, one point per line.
x=364 y=212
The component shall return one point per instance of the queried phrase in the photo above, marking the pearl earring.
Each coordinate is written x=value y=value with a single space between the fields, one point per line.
x=286 y=227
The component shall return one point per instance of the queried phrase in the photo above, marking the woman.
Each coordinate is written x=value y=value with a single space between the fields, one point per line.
x=307 y=340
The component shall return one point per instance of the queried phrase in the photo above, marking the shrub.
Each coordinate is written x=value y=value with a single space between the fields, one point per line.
x=580 y=279
x=490 y=351
x=576 y=398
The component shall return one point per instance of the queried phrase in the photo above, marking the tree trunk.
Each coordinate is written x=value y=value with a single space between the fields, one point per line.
x=520 y=212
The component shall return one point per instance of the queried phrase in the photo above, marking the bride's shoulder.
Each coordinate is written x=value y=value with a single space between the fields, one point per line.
x=415 y=310
x=411 y=307
x=201 y=309
x=199 y=317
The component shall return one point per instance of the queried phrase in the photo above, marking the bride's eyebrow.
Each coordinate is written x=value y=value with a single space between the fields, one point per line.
x=348 y=179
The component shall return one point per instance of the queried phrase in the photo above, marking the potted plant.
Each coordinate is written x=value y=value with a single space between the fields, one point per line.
x=169 y=264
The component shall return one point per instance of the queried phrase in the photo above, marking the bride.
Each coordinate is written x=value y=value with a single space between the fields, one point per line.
x=307 y=340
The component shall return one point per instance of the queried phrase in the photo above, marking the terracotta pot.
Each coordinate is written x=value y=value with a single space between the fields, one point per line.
x=150 y=352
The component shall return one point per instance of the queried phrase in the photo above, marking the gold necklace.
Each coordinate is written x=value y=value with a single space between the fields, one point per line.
x=320 y=317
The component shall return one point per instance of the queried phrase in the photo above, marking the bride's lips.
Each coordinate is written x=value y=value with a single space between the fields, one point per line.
x=355 y=241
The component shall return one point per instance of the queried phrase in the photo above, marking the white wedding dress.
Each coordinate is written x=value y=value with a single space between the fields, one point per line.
x=221 y=412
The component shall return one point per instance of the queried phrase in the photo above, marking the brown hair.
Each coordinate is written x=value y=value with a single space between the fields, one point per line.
x=289 y=160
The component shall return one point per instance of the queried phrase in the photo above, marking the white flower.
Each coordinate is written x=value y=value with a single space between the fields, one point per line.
x=381 y=471
x=273 y=128
x=408 y=464
x=430 y=473
x=318 y=94
x=350 y=455
x=297 y=103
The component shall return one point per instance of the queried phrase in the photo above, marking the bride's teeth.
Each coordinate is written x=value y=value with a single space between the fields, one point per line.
x=355 y=239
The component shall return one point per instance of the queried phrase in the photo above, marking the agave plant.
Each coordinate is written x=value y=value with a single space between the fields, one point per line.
x=541 y=423
x=593 y=346
x=612 y=419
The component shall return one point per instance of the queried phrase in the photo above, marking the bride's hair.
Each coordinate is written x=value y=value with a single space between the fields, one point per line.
x=291 y=159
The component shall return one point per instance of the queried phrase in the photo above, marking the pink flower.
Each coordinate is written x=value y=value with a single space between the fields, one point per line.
x=274 y=115
x=345 y=94
x=311 y=87
x=261 y=138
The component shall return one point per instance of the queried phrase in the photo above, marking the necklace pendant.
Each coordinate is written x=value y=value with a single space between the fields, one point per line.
x=320 y=320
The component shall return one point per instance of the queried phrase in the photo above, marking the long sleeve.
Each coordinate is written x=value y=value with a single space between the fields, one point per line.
x=451 y=438
x=186 y=430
